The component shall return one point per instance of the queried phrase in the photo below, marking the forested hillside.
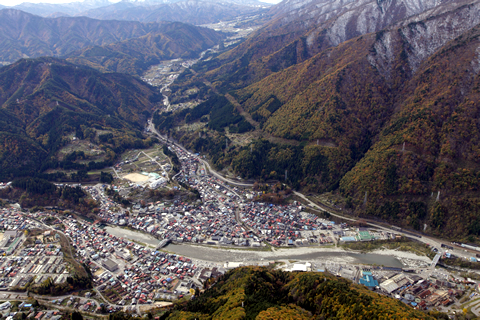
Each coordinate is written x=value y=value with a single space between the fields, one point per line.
x=298 y=31
x=23 y=35
x=387 y=119
x=46 y=102
x=134 y=56
x=260 y=293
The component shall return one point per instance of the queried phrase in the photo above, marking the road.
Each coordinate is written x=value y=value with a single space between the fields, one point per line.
x=205 y=163
x=435 y=242
x=116 y=173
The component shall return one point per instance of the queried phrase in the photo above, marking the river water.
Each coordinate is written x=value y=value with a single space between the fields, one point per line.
x=232 y=255
x=222 y=255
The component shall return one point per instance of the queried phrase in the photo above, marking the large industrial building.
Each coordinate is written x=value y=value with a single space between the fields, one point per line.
x=110 y=265
x=11 y=240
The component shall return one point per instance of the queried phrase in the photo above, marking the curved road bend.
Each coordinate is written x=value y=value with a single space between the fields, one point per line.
x=425 y=239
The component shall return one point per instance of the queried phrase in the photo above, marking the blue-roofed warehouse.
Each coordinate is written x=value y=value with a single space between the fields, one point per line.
x=368 y=280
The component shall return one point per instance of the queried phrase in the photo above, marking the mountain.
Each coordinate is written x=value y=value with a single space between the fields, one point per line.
x=46 y=101
x=134 y=56
x=300 y=29
x=261 y=293
x=23 y=35
x=192 y=11
x=389 y=120
x=48 y=9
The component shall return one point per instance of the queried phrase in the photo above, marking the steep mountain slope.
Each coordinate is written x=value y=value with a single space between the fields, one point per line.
x=378 y=56
x=389 y=118
x=191 y=11
x=408 y=97
x=134 y=56
x=428 y=152
x=44 y=100
x=260 y=293
x=23 y=35
x=301 y=29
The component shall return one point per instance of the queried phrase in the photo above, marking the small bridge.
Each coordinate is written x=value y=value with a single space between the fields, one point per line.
x=435 y=260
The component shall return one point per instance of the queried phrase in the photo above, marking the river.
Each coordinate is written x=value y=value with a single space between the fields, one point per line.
x=215 y=254
x=132 y=235
x=222 y=255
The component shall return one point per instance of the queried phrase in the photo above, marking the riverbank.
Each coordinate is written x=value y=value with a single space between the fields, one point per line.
x=320 y=255
x=391 y=258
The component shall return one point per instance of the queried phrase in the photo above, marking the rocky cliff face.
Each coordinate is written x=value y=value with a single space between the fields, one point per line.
x=420 y=36
x=301 y=29
x=392 y=112
x=333 y=22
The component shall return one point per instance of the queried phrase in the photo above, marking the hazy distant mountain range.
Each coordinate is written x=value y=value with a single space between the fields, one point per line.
x=136 y=55
x=47 y=9
x=192 y=11
x=23 y=35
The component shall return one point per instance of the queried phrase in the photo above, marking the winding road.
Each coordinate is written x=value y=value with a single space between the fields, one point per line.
x=435 y=242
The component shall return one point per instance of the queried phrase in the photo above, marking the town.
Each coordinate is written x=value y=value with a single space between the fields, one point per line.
x=145 y=255
x=128 y=273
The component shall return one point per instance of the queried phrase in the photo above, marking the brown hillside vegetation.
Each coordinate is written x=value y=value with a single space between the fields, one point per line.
x=298 y=31
x=390 y=116
x=134 y=56
x=44 y=100
x=275 y=294
x=438 y=122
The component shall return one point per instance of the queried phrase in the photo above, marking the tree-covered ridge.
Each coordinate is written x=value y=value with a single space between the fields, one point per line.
x=134 y=56
x=260 y=293
x=429 y=150
x=45 y=100
x=39 y=193
x=388 y=119
x=299 y=30
x=26 y=35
